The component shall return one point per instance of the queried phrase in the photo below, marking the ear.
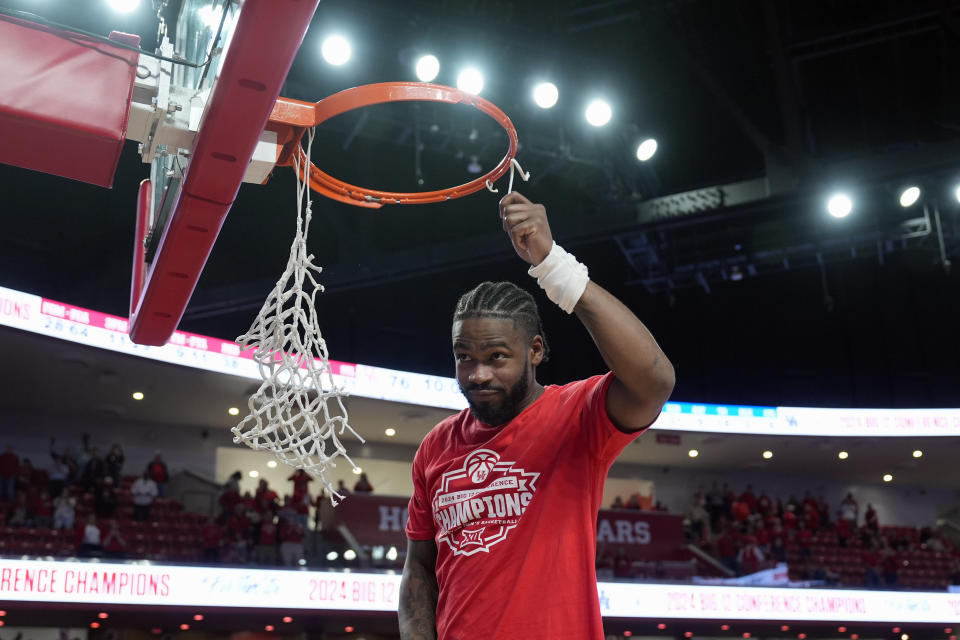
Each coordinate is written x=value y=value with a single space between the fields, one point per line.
x=536 y=350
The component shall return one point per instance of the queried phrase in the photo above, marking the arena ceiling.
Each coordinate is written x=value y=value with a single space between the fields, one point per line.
x=759 y=108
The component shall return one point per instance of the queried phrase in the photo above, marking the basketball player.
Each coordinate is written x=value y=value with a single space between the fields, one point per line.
x=502 y=526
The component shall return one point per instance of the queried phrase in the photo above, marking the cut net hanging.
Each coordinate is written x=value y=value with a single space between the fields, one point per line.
x=298 y=412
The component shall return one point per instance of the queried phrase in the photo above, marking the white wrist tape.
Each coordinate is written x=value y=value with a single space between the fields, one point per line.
x=561 y=277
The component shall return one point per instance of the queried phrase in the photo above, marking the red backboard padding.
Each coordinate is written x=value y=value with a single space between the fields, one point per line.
x=64 y=100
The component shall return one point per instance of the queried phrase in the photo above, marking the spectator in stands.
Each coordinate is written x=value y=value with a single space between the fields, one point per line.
x=764 y=504
x=266 y=499
x=617 y=503
x=64 y=511
x=59 y=474
x=9 y=470
x=890 y=564
x=105 y=498
x=727 y=547
x=114 y=545
x=342 y=488
x=849 y=510
x=804 y=539
x=287 y=512
x=777 y=541
x=114 y=463
x=157 y=469
x=90 y=540
x=25 y=476
x=698 y=518
x=291 y=543
x=42 y=509
x=750 y=557
x=20 y=515
x=301 y=504
x=748 y=498
x=811 y=516
x=824 y=510
x=871 y=565
x=144 y=491
x=94 y=471
x=363 y=485
x=265 y=553
x=212 y=534
x=301 y=480
x=870 y=520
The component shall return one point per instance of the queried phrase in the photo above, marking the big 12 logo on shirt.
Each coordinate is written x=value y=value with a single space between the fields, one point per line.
x=478 y=504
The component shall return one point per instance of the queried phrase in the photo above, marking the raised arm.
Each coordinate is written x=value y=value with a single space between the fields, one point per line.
x=419 y=591
x=644 y=375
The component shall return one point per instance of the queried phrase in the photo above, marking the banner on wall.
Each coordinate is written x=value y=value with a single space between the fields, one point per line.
x=159 y=585
x=64 y=321
x=381 y=520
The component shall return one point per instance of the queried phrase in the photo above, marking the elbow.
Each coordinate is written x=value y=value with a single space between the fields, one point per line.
x=666 y=380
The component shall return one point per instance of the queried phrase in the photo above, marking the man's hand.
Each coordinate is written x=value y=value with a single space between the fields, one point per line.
x=527 y=225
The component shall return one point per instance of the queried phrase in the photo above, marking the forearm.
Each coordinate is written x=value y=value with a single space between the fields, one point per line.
x=418 y=603
x=627 y=346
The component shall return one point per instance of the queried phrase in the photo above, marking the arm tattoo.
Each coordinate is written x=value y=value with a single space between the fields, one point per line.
x=418 y=603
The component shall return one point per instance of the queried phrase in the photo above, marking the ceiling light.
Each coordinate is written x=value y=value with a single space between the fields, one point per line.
x=332 y=555
x=94 y=625
x=724 y=627
x=336 y=50
x=767 y=454
x=392 y=553
x=124 y=6
x=887 y=477
x=661 y=626
x=349 y=554
x=348 y=629
x=839 y=205
x=184 y=627
x=545 y=95
x=272 y=464
x=909 y=196
x=842 y=629
x=138 y=395
x=198 y=617
x=269 y=627
x=427 y=68
x=357 y=471
x=103 y=615
x=917 y=453
x=646 y=149
x=470 y=80
x=904 y=636
x=843 y=455
x=233 y=411
x=598 y=113
x=390 y=432
x=287 y=619
x=802 y=636
x=693 y=453
x=253 y=473
x=785 y=627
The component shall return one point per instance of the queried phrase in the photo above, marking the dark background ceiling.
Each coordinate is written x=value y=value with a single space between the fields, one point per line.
x=760 y=108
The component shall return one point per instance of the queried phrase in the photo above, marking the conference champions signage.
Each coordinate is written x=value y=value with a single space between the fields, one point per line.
x=143 y=585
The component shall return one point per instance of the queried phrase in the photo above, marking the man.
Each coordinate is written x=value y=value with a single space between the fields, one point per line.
x=502 y=527
x=144 y=492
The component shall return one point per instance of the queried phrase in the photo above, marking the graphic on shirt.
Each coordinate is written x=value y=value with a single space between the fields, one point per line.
x=477 y=505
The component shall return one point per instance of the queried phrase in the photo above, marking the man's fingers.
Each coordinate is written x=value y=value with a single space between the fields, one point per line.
x=512 y=198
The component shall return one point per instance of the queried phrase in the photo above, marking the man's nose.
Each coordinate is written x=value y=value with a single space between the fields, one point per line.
x=480 y=374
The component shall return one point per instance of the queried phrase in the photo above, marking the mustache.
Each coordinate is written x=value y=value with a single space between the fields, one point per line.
x=481 y=387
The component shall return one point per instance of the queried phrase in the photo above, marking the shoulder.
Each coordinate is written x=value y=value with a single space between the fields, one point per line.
x=444 y=432
x=580 y=392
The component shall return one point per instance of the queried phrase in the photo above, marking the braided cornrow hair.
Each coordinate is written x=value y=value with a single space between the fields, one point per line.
x=503 y=300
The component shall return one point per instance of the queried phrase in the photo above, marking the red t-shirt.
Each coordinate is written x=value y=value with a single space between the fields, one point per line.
x=513 y=510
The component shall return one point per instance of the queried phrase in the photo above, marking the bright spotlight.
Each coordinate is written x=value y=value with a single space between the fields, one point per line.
x=545 y=95
x=693 y=453
x=917 y=453
x=843 y=455
x=909 y=196
x=272 y=464
x=233 y=411
x=887 y=477
x=427 y=68
x=390 y=432
x=767 y=455
x=598 y=113
x=138 y=395
x=332 y=555
x=124 y=6
x=956 y=193
x=839 y=205
x=357 y=471
x=392 y=553
x=646 y=149
x=470 y=80
x=349 y=554
x=336 y=50
x=253 y=473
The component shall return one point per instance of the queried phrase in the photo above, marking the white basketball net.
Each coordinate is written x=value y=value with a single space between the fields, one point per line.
x=298 y=412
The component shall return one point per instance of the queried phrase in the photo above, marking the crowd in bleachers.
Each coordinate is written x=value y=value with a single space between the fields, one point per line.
x=85 y=504
x=847 y=547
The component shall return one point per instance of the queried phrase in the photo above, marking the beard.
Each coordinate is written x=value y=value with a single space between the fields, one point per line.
x=498 y=413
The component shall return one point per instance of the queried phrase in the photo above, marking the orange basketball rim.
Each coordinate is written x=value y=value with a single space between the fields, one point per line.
x=291 y=118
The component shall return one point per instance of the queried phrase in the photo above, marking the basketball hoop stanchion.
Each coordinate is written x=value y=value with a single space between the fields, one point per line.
x=291 y=118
